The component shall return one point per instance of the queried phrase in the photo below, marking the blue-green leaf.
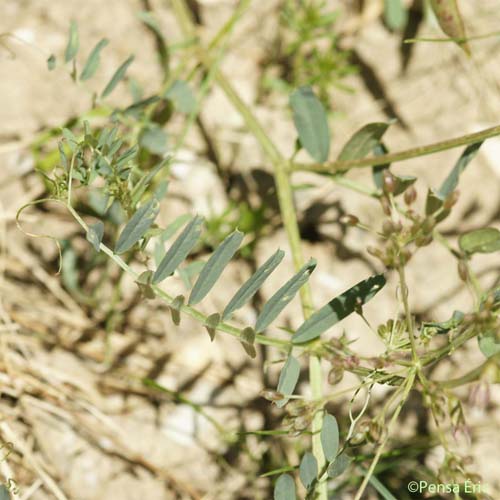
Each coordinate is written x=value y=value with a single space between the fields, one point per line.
x=489 y=343
x=308 y=469
x=182 y=96
x=395 y=14
x=137 y=226
x=284 y=489
x=94 y=234
x=141 y=186
x=339 y=465
x=283 y=296
x=451 y=182
x=179 y=250
x=363 y=141
x=118 y=76
x=73 y=42
x=250 y=288
x=330 y=437
x=484 y=240
x=214 y=266
x=93 y=60
x=339 y=308
x=288 y=379
x=311 y=123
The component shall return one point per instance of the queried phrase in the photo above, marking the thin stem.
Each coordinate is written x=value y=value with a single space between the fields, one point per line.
x=341 y=166
x=406 y=305
x=364 y=484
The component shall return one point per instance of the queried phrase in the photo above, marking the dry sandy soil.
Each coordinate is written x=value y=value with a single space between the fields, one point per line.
x=82 y=426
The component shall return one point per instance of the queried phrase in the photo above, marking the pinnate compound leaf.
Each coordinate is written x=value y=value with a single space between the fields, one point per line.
x=93 y=60
x=363 y=141
x=451 y=182
x=339 y=465
x=339 y=308
x=308 y=469
x=137 y=226
x=250 y=288
x=284 y=489
x=214 y=266
x=179 y=250
x=73 y=42
x=283 y=296
x=330 y=437
x=118 y=76
x=485 y=240
x=95 y=233
x=288 y=379
x=451 y=22
x=311 y=123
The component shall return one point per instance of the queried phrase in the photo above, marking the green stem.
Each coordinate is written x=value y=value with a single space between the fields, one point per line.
x=341 y=166
x=406 y=305
x=366 y=480
x=288 y=214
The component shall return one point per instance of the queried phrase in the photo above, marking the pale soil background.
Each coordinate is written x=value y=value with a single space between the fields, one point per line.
x=82 y=433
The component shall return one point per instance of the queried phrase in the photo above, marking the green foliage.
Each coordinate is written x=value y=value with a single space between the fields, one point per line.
x=307 y=50
x=285 y=488
x=110 y=171
x=288 y=379
x=311 y=123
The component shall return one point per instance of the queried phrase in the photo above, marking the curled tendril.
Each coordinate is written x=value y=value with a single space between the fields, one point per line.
x=34 y=235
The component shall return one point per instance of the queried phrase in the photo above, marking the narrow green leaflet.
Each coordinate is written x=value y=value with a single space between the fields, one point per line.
x=284 y=489
x=485 y=240
x=330 y=437
x=73 y=42
x=339 y=308
x=339 y=465
x=250 y=288
x=308 y=469
x=93 y=60
x=179 y=250
x=94 y=234
x=117 y=77
x=214 y=266
x=283 y=296
x=311 y=123
x=174 y=226
x=395 y=14
x=288 y=379
x=182 y=96
x=137 y=226
x=451 y=182
x=363 y=141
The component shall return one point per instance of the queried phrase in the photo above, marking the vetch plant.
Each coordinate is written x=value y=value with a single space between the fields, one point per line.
x=121 y=169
